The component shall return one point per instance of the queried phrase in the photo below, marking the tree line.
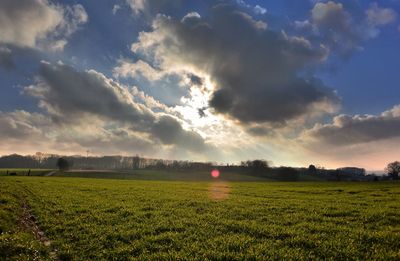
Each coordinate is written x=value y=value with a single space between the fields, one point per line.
x=251 y=167
x=51 y=161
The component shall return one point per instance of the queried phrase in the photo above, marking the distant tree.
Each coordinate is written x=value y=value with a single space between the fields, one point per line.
x=17 y=161
x=338 y=174
x=393 y=169
x=160 y=164
x=260 y=165
x=175 y=165
x=312 y=170
x=255 y=165
x=136 y=162
x=63 y=164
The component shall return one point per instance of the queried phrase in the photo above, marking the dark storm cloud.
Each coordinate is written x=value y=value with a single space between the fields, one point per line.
x=72 y=96
x=113 y=141
x=169 y=131
x=257 y=70
x=67 y=92
x=348 y=130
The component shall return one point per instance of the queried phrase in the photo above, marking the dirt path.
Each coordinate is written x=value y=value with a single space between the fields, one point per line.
x=51 y=173
x=28 y=223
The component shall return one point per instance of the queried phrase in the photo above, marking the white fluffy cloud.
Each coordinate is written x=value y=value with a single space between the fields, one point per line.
x=127 y=69
x=38 y=23
x=360 y=140
x=378 y=16
x=340 y=29
x=348 y=130
x=336 y=26
x=152 y=7
x=137 y=5
x=260 y=10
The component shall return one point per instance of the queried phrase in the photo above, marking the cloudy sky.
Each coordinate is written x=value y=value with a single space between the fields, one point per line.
x=294 y=82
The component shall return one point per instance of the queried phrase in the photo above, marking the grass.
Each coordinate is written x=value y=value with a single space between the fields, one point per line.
x=16 y=243
x=98 y=219
x=164 y=175
x=24 y=172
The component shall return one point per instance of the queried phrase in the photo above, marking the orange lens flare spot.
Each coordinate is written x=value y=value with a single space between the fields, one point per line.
x=219 y=190
x=215 y=173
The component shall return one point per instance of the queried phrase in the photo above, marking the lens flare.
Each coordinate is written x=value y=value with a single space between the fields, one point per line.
x=215 y=173
x=219 y=190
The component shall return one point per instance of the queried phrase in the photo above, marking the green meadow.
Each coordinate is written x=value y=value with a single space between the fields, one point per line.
x=72 y=218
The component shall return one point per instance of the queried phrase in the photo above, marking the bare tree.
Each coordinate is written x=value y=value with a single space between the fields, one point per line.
x=393 y=169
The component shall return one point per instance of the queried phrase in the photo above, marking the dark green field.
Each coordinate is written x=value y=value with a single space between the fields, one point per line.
x=24 y=172
x=98 y=219
x=161 y=175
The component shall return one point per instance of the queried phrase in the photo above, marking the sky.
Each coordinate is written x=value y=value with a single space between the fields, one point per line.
x=292 y=82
